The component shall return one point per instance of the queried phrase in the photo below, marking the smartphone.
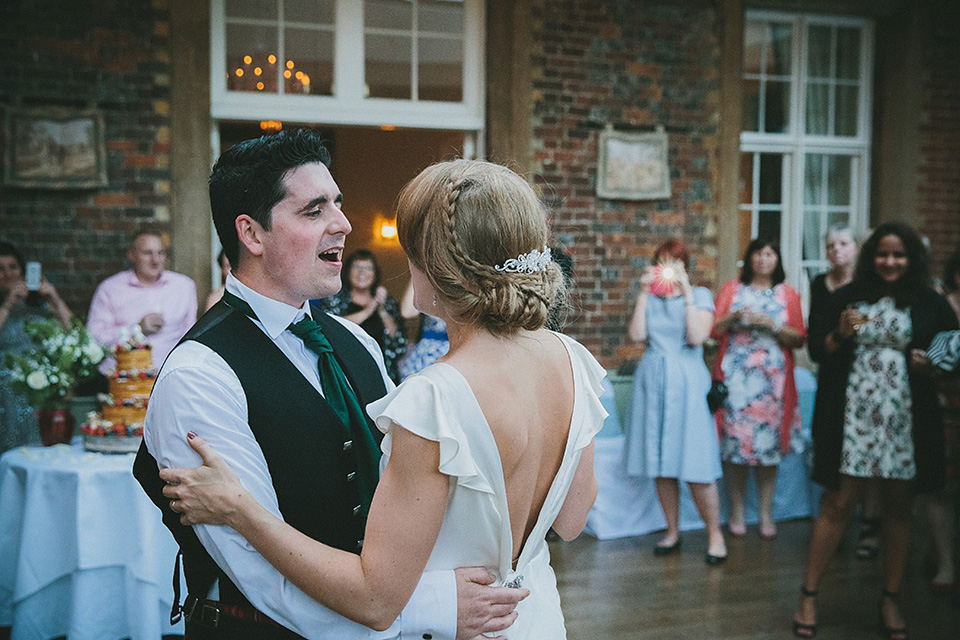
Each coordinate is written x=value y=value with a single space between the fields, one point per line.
x=663 y=281
x=33 y=276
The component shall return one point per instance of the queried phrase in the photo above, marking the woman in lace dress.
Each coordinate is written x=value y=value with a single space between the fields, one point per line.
x=876 y=414
x=487 y=449
x=758 y=325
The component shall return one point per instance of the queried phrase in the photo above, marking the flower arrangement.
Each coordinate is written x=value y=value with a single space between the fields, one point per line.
x=47 y=375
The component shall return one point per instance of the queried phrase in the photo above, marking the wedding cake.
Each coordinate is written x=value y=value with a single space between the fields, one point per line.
x=118 y=426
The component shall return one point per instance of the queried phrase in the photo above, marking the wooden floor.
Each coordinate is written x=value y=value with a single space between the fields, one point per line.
x=617 y=589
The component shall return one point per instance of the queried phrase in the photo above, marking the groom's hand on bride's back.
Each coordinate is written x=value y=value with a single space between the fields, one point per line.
x=482 y=608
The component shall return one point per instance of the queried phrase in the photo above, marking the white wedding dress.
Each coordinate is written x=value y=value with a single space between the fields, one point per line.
x=438 y=404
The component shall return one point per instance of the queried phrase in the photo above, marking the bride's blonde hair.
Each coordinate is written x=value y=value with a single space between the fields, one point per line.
x=457 y=221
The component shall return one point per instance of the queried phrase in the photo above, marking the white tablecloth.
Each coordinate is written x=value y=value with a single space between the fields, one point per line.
x=628 y=506
x=83 y=552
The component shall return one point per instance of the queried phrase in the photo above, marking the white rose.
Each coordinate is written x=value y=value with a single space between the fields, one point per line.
x=93 y=351
x=36 y=380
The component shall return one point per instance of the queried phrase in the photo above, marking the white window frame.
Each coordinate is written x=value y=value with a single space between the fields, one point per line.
x=349 y=105
x=795 y=144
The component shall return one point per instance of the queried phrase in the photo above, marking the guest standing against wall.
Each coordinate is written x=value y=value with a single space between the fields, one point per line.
x=671 y=435
x=759 y=324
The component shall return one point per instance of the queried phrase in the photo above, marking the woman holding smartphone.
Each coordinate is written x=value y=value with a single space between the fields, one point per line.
x=19 y=304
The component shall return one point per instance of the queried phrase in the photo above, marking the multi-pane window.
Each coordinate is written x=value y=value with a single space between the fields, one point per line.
x=272 y=39
x=385 y=62
x=805 y=139
x=414 y=49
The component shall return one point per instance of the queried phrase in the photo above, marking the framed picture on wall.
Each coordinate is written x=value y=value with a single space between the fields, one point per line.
x=633 y=166
x=54 y=148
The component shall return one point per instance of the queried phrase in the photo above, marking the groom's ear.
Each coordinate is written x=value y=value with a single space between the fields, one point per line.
x=250 y=234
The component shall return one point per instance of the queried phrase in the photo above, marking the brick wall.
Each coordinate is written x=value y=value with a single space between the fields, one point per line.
x=938 y=170
x=112 y=55
x=635 y=65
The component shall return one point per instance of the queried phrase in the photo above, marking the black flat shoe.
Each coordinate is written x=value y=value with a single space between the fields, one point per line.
x=661 y=550
x=713 y=560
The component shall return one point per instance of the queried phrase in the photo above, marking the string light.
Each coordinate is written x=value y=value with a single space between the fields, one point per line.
x=259 y=71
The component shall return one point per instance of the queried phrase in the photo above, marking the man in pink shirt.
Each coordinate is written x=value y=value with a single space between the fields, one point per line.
x=162 y=303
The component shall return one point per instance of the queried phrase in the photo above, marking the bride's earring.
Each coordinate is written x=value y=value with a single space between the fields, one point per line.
x=434 y=298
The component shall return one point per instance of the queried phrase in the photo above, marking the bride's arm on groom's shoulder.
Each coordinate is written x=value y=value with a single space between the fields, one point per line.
x=572 y=517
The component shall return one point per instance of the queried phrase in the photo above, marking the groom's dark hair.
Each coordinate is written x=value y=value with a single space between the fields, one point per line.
x=248 y=179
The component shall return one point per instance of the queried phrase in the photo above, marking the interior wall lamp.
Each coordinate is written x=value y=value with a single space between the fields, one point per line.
x=385 y=229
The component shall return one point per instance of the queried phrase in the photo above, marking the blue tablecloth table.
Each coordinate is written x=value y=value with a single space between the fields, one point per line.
x=627 y=506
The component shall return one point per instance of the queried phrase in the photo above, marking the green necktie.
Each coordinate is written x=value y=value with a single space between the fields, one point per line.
x=339 y=395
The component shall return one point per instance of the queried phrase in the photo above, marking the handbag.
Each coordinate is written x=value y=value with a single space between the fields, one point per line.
x=717 y=395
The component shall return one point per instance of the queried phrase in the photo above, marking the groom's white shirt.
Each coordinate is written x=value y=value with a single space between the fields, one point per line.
x=198 y=391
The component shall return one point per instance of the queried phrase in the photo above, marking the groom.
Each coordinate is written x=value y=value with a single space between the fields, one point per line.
x=252 y=389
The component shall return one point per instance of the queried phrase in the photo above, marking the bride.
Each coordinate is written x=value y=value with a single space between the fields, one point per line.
x=485 y=450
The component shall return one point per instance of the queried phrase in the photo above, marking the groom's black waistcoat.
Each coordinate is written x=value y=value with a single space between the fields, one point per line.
x=307 y=448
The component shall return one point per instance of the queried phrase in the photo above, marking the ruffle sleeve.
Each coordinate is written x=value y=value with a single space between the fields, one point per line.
x=417 y=405
x=592 y=378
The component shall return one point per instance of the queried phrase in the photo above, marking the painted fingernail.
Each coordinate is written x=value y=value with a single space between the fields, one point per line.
x=191 y=435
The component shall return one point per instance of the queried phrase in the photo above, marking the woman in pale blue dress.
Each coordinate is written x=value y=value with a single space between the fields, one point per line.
x=671 y=436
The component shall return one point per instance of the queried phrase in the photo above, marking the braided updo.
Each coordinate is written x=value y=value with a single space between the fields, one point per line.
x=456 y=221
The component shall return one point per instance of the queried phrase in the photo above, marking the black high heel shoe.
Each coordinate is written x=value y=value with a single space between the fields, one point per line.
x=899 y=633
x=800 y=629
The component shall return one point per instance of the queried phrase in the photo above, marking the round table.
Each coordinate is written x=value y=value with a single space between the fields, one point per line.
x=83 y=552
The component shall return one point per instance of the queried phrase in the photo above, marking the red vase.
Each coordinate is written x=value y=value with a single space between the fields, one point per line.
x=56 y=426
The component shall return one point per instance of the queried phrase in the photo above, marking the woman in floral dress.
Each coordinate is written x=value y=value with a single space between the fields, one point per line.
x=432 y=344
x=759 y=324
x=876 y=414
